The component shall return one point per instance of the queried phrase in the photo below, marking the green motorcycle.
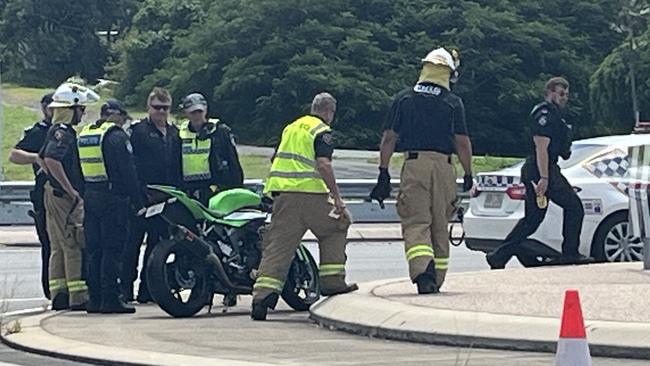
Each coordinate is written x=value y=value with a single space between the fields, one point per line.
x=216 y=250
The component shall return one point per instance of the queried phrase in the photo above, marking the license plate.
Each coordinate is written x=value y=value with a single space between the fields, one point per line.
x=154 y=210
x=493 y=200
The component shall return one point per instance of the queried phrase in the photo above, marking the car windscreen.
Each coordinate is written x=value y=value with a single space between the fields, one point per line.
x=580 y=152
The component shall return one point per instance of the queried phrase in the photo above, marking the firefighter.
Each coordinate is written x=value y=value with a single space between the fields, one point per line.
x=63 y=197
x=209 y=155
x=427 y=123
x=26 y=152
x=306 y=196
x=111 y=190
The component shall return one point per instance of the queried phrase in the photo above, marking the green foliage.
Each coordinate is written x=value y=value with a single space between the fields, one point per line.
x=47 y=41
x=610 y=85
x=261 y=62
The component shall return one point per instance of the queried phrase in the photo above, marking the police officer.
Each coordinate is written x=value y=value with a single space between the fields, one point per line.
x=551 y=137
x=306 y=197
x=26 y=152
x=427 y=123
x=156 y=150
x=111 y=189
x=209 y=154
x=63 y=197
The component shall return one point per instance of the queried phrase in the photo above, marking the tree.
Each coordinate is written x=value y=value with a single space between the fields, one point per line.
x=614 y=93
x=47 y=41
x=261 y=62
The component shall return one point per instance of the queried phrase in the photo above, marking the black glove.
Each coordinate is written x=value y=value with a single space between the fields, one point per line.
x=468 y=182
x=382 y=188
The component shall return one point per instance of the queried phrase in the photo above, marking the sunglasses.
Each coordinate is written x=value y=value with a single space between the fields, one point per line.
x=160 y=107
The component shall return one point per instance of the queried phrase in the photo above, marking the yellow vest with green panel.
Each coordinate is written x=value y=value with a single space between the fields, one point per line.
x=195 y=155
x=294 y=167
x=90 y=151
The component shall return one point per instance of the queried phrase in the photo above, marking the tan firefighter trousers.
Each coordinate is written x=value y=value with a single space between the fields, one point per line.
x=65 y=228
x=293 y=215
x=424 y=203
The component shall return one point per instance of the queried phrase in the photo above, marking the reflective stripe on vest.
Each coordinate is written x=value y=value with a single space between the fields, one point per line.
x=294 y=167
x=196 y=155
x=90 y=151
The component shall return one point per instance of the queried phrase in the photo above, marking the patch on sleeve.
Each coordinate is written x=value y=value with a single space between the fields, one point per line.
x=327 y=138
x=543 y=111
x=542 y=121
x=59 y=135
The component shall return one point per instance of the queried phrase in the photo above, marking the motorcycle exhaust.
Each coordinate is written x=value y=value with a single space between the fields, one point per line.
x=204 y=250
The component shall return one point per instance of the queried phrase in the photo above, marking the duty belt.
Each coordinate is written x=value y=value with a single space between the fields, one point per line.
x=412 y=155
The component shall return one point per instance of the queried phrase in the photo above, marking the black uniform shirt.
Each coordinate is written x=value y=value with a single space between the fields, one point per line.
x=157 y=157
x=61 y=145
x=32 y=142
x=426 y=118
x=547 y=121
x=120 y=165
x=324 y=145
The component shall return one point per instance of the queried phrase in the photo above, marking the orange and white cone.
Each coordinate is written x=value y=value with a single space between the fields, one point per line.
x=572 y=348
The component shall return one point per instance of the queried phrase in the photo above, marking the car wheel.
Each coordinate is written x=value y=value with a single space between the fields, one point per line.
x=613 y=241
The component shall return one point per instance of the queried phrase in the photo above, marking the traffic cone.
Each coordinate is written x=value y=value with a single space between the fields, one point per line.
x=572 y=348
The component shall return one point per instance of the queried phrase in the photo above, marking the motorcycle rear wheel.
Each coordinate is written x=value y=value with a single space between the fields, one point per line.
x=176 y=280
x=302 y=286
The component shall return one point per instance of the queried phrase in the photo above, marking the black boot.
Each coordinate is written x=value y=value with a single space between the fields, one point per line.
x=229 y=300
x=426 y=281
x=60 y=301
x=348 y=288
x=114 y=305
x=79 y=307
x=94 y=305
x=494 y=261
x=261 y=307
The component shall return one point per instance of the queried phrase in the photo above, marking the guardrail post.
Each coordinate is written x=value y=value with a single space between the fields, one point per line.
x=646 y=253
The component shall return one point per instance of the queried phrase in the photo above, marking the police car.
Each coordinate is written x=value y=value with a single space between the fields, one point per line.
x=597 y=170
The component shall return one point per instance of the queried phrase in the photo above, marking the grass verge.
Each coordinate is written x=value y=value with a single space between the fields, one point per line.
x=479 y=163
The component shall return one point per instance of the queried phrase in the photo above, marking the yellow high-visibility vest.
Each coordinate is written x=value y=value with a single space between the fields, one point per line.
x=90 y=151
x=294 y=167
x=195 y=155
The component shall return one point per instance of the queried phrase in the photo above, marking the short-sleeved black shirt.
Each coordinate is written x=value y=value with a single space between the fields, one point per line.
x=157 y=157
x=324 y=145
x=547 y=121
x=32 y=142
x=61 y=145
x=426 y=118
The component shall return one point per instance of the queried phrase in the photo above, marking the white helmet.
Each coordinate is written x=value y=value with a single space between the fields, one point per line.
x=441 y=56
x=69 y=95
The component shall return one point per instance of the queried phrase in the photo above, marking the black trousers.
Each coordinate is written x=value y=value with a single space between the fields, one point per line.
x=38 y=214
x=106 y=227
x=559 y=192
x=155 y=229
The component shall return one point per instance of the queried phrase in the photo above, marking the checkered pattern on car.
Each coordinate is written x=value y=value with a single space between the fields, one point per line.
x=614 y=167
x=496 y=181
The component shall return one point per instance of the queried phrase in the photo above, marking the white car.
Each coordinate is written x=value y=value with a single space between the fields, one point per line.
x=597 y=171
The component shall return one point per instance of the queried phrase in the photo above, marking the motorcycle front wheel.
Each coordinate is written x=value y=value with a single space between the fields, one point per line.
x=177 y=281
x=302 y=286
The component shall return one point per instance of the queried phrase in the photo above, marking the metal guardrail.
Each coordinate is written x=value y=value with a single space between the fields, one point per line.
x=15 y=204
